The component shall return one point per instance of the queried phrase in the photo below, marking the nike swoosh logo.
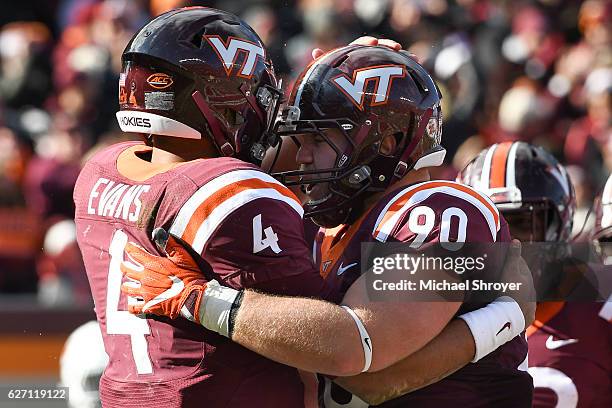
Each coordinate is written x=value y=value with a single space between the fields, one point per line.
x=507 y=325
x=176 y=288
x=553 y=344
x=367 y=342
x=342 y=269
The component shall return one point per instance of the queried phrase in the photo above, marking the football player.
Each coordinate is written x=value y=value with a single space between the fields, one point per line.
x=197 y=83
x=368 y=122
x=570 y=343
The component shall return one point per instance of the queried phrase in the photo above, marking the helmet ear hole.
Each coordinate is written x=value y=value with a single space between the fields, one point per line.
x=388 y=144
x=233 y=117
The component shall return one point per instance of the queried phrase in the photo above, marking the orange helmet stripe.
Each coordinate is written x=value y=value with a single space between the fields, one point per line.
x=497 y=177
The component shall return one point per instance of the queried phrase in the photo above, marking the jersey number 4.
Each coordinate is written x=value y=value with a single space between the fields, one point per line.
x=259 y=241
x=121 y=321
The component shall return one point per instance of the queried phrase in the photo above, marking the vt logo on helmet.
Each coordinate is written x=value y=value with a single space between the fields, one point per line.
x=381 y=76
x=199 y=72
x=365 y=95
x=228 y=53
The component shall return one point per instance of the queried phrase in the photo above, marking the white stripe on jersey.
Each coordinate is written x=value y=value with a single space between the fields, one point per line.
x=224 y=209
x=389 y=225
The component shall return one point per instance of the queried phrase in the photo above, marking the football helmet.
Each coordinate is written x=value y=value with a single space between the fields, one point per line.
x=530 y=187
x=199 y=71
x=367 y=93
x=82 y=363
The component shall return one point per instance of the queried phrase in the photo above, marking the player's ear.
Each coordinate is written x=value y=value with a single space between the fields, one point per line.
x=387 y=145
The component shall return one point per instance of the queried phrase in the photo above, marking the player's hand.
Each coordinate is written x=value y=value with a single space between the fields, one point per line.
x=516 y=270
x=368 y=40
x=166 y=286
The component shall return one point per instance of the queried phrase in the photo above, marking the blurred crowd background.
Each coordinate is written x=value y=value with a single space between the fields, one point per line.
x=539 y=71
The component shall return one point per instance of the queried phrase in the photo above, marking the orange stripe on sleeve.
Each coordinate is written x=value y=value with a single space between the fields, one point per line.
x=223 y=194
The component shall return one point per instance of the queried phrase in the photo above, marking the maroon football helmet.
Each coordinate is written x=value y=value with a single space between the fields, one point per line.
x=367 y=93
x=529 y=186
x=199 y=71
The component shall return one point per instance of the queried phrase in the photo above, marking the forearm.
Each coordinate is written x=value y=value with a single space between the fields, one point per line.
x=469 y=338
x=318 y=336
x=310 y=334
x=452 y=349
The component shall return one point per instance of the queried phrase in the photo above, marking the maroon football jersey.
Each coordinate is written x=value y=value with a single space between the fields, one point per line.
x=570 y=355
x=441 y=209
x=244 y=223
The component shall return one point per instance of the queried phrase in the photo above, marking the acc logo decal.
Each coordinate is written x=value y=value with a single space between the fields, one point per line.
x=160 y=80
x=355 y=88
x=228 y=53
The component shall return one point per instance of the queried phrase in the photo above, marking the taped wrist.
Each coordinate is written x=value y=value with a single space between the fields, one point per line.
x=216 y=307
x=494 y=325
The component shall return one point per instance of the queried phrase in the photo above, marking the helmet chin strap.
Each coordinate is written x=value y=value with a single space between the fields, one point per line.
x=225 y=147
x=402 y=166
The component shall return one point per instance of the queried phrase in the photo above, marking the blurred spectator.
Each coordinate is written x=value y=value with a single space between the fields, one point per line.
x=52 y=173
x=158 y=7
x=19 y=228
x=61 y=272
x=467 y=151
x=25 y=76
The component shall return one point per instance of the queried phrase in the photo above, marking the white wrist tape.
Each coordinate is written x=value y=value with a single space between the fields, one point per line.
x=215 y=307
x=494 y=325
x=366 y=342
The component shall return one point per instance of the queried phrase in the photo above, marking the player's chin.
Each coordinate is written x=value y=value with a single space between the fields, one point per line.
x=317 y=193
